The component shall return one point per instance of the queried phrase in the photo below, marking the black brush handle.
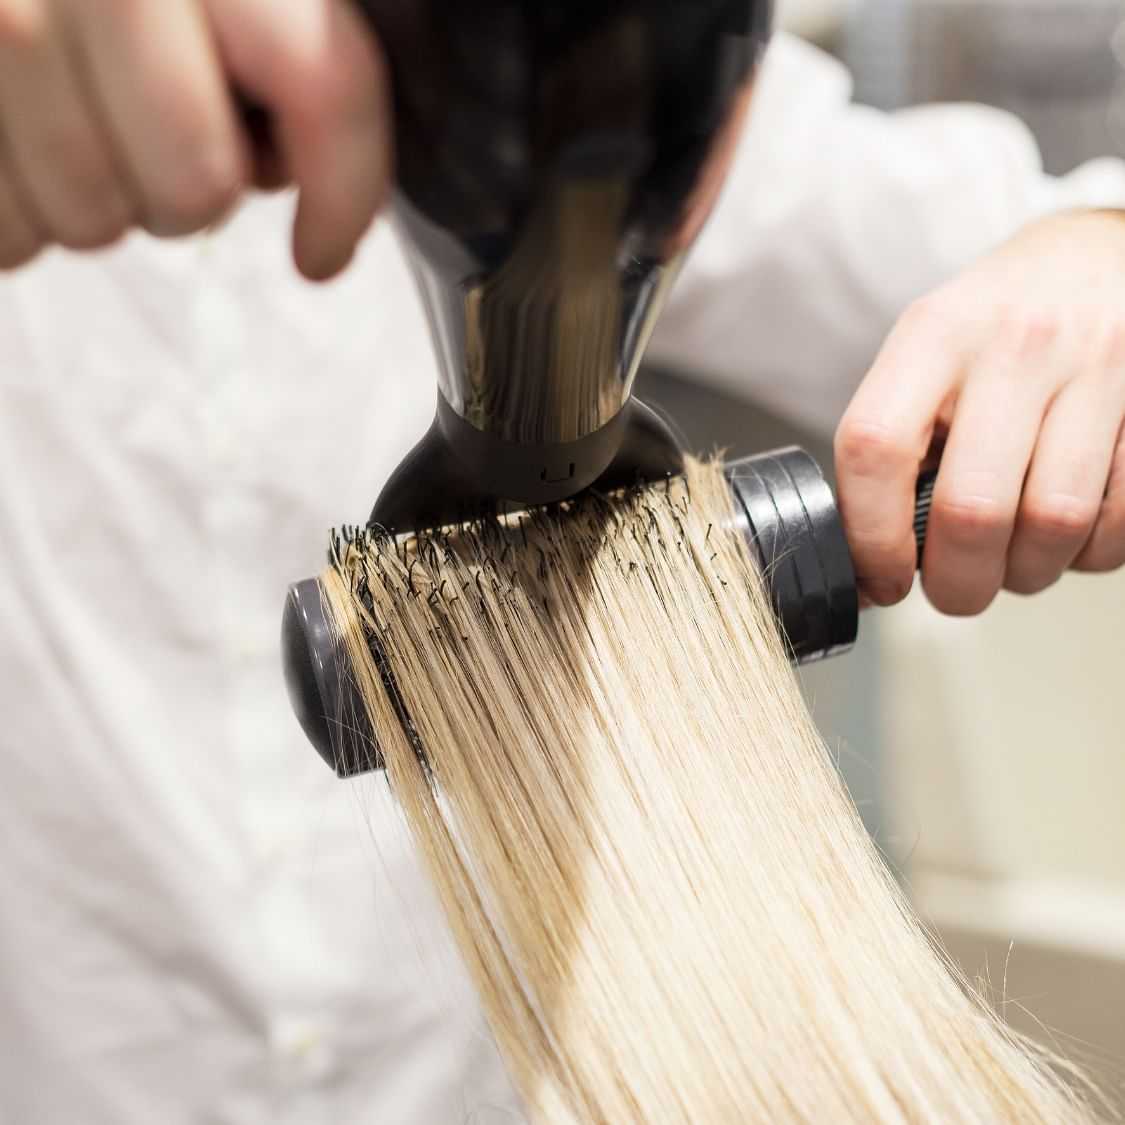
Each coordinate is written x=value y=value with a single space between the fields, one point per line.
x=923 y=501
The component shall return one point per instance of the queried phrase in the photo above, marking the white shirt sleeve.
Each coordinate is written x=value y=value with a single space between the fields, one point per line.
x=834 y=218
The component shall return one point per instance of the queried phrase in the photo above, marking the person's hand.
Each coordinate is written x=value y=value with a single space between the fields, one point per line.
x=120 y=113
x=1018 y=366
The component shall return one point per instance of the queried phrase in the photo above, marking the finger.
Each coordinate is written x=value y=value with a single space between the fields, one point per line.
x=321 y=73
x=165 y=102
x=978 y=488
x=1062 y=496
x=882 y=442
x=20 y=239
x=59 y=153
x=1105 y=549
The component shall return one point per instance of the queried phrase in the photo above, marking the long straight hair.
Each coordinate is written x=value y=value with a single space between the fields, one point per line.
x=667 y=901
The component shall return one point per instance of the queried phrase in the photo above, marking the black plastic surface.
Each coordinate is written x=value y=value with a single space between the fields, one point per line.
x=788 y=514
x=457 y=473
x=322 y=691
x=555 y=159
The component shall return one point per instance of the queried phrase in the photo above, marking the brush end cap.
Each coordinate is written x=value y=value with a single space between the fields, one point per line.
x=321 y=690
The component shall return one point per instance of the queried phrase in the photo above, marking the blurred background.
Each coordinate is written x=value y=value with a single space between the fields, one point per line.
x=987 y=756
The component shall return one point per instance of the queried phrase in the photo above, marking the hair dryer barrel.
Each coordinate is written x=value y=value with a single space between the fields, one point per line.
x=782 y=504
x=554 y=162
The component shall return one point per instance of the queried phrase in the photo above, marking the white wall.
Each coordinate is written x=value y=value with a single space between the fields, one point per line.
x=1006 y=734
x=1004 y=752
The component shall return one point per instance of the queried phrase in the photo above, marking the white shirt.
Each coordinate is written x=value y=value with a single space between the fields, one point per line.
x=199 y=925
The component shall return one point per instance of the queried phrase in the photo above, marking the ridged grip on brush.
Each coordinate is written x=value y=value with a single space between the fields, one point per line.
x=923 y=501
x=788 y=514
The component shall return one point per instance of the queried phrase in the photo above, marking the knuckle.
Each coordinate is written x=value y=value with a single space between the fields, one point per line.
x=967 y=520
x=95 y=212
x=202 y=190
x=865 y=448
x=99 y=228
x=204 y=170
x=1027 y=333
x=1058 y=518
x=926 y=315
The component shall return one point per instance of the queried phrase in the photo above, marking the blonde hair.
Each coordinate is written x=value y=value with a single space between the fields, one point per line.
x=666 y=899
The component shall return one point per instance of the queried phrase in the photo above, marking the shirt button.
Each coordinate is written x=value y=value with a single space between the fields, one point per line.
x=221 y=331
x=302 y=1049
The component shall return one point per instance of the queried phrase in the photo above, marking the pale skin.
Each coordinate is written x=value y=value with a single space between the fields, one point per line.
x=120 y=114
x=1018 y=365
